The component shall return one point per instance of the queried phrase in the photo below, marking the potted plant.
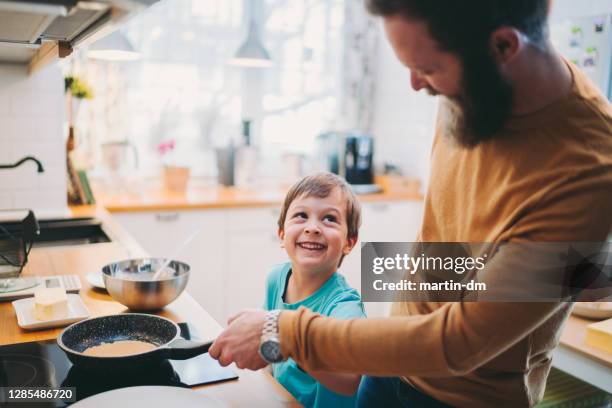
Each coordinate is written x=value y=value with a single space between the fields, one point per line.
x=176 y=177
x=77 y=90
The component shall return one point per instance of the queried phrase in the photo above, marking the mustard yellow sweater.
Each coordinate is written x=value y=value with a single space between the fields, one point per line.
x=548 y=177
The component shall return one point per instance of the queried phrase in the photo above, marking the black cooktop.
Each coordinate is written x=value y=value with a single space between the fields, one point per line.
x=44 y=364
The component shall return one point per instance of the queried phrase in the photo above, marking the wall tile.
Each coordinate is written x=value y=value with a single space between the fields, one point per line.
x=12 y=78
x=6 y=150
x=6 y=201
x=32 y=102
x=31 y=124
x=31 y=127
x=20 y=178
x=4 y=104
x=54 y=176
x=40 y=199
x=49 y=153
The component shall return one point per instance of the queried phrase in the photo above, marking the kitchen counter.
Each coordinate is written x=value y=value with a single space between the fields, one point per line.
x=155 y=197
x=251 y=389
x=572 y=356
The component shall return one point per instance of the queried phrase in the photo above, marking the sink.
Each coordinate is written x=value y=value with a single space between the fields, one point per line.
x=61 y=232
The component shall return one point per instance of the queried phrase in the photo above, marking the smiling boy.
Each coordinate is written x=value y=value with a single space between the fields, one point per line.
x=318 y=226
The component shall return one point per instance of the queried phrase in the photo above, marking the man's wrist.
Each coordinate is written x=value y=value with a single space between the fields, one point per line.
x=269 y=346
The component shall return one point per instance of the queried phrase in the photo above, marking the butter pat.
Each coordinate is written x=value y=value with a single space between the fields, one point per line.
x=50 y=303
x=599 y=335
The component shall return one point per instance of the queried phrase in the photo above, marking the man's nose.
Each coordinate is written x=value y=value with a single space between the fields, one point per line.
x=417 y=81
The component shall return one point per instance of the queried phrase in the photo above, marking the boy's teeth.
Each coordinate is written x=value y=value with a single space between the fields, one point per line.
x=308 y=245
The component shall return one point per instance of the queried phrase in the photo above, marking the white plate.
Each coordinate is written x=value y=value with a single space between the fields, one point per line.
x=593 y=310
x=24 y=308
x=149 y=397
x=95 y=280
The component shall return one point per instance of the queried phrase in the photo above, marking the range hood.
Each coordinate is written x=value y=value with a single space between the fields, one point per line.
x=31 y=29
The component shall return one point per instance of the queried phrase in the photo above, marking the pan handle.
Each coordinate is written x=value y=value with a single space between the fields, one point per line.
x=181 y=349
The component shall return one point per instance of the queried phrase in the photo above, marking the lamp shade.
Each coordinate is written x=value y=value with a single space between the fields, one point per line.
x=252 y=52
x=113 y=47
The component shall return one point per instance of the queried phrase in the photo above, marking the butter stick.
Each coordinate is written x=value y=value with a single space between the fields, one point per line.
x=599 y=335
x=50 y=303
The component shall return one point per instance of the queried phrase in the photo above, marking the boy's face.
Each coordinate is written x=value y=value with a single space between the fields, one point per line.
x=315 y=232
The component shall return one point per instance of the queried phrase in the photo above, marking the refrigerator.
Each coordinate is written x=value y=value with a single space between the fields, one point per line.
x=587 y=42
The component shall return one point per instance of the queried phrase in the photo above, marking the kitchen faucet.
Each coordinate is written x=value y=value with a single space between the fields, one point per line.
x=20 y=162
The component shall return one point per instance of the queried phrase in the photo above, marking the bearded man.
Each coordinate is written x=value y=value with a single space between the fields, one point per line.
x=522 y=153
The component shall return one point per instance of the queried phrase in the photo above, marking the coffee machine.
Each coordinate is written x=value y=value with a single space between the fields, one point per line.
x=350 y=155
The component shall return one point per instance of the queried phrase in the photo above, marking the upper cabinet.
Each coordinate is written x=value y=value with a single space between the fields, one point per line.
x=36 y=32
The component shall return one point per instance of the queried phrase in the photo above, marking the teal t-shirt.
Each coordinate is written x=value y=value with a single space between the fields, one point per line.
x=336 y=299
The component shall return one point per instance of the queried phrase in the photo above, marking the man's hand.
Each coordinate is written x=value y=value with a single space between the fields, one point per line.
x=239 y=343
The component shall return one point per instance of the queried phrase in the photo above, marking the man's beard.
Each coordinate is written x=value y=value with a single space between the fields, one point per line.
x=484 y=105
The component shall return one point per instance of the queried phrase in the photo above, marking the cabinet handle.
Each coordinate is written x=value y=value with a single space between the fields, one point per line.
x=168 y=217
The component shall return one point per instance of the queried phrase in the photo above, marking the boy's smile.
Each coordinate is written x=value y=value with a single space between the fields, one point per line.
x=315 y=232
x=311 y=246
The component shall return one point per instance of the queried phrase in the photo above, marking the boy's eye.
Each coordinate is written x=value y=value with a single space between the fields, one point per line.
x=330 y=218
x=300 y=215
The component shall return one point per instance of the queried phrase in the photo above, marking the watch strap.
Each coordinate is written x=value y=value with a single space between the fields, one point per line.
x=270 y=328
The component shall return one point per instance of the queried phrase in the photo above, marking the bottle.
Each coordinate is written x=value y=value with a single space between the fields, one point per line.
x=245 y=172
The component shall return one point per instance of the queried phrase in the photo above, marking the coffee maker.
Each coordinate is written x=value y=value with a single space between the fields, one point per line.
x=350 y=155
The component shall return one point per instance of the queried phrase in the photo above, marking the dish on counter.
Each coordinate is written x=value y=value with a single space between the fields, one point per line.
x=593 y=310
x=95 y=279
x=24 y=309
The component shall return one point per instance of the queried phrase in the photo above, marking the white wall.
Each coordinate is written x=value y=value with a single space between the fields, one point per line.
x=403 y=119
x=31 y=124
x=563 y=9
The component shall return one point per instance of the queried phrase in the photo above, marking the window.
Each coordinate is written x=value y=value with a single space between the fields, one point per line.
x=184 y=88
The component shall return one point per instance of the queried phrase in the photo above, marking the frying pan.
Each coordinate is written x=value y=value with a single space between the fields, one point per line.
x=163 y=333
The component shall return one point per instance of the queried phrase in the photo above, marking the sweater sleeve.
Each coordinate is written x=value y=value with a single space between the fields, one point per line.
x=454 y=340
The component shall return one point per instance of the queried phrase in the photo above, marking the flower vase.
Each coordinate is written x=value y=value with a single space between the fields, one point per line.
x=176 y=178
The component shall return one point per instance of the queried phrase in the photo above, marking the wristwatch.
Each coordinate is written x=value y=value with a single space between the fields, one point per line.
x=269 y=346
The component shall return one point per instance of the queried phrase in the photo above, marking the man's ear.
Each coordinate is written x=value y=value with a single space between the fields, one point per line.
x=350 y=244
x=505 y=44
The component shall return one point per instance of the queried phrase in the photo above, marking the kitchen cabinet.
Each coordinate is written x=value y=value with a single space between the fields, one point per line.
x=231 y=257
x=161 y=233
x=382 y=221
x=253 y=247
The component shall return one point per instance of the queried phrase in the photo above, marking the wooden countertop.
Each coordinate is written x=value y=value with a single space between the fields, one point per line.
x=251 y=389
x=152 y=196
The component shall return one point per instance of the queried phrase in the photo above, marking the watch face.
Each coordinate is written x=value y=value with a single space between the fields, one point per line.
x=270 y=351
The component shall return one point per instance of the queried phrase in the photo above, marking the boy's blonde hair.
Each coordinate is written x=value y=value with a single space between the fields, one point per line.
x=321 y=185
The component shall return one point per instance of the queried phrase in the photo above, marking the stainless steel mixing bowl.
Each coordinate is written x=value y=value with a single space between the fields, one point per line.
x=131 y=282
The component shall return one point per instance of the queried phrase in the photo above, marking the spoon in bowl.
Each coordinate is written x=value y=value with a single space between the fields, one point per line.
x=162 y=271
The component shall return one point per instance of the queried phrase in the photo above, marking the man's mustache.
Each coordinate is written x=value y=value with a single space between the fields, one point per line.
x=431 y=91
